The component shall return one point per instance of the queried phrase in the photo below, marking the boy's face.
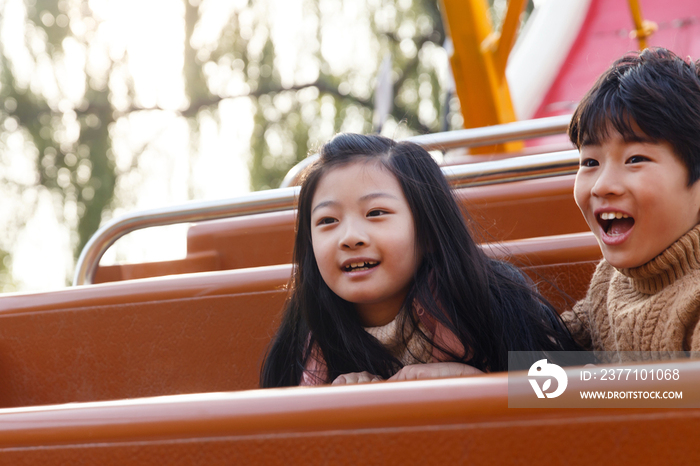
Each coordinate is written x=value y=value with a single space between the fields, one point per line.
x=635 y=198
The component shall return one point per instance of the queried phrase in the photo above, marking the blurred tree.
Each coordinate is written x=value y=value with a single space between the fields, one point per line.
x=308 y=68
x=65 y=132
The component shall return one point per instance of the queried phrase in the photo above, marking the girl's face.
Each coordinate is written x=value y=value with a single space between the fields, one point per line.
x=364 y=239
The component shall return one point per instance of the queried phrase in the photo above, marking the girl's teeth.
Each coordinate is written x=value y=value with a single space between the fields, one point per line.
x=357 y=265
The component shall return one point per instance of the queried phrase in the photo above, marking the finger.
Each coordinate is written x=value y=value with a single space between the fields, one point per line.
x=365 y=377
x=400 y=375
x=413 y=375
x=474 y=371
x=340 y=380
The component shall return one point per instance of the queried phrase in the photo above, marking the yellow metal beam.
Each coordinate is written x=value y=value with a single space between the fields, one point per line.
x=643 y=28
x=509 y=30
x=479 y=62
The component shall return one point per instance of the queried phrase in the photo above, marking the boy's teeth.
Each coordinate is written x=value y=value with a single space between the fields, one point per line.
x=613 y=215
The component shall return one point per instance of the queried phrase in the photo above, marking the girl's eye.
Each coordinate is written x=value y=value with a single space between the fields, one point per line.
x=375 y=213
x=326 y=221
x=589 y=163
x=637 y=159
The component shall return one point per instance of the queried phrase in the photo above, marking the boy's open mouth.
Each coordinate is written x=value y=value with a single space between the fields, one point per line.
x=361 y=265
x=615 y=223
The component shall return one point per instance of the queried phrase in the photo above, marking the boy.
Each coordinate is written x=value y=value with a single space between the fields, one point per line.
x=638 y=133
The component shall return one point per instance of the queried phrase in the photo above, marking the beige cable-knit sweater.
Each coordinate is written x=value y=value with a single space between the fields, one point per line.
x=654 y=307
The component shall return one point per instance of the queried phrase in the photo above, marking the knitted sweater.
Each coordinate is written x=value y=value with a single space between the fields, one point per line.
x=414 y=351
x=654 y=307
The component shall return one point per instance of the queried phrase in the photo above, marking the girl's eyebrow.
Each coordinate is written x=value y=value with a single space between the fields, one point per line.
x=376 y=195
x=363 y=198
x=323 y=204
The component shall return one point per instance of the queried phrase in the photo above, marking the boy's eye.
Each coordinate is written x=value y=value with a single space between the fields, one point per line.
x=637 y=159
x=326 y=221
x=589 y=163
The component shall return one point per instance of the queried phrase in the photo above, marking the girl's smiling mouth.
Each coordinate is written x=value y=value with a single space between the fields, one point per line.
x=615 y=226
x=359 y=265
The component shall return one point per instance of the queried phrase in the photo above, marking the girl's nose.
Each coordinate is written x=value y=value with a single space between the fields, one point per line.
x=353 y=236
x=608 y=183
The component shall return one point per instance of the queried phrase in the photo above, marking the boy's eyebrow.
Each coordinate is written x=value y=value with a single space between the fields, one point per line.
x=588 y=142
x=639 y=138
x=636 y=138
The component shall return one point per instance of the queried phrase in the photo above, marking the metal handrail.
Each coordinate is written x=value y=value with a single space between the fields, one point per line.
x=258 y=202
x=525 y=167
x=473 y=137
x=506 y=170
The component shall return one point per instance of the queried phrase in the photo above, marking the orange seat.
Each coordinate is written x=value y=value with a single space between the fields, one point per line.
x=192 y=333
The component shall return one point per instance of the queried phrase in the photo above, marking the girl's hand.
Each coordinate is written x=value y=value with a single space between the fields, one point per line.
x=435 y=370
x=356 y=377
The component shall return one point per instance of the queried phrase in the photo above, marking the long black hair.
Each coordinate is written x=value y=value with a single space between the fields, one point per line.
x=487 y=304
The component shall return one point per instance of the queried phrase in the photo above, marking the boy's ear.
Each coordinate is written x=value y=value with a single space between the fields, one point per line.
x=695 y=188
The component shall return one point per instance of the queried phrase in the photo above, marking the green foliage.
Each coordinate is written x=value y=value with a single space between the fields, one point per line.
x=70 y=138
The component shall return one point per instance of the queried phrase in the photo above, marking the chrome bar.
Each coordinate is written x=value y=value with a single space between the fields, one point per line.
x=475 y=174
x=473 y=137
x=258 y=202
x=496 y=134
x=526 y=167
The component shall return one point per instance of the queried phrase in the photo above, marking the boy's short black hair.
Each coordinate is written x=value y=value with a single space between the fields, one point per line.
x=654 y=91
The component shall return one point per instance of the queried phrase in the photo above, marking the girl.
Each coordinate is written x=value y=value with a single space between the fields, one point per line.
x=388 y=283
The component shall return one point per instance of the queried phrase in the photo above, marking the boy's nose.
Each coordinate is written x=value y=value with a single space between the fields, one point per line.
x=608 y=183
